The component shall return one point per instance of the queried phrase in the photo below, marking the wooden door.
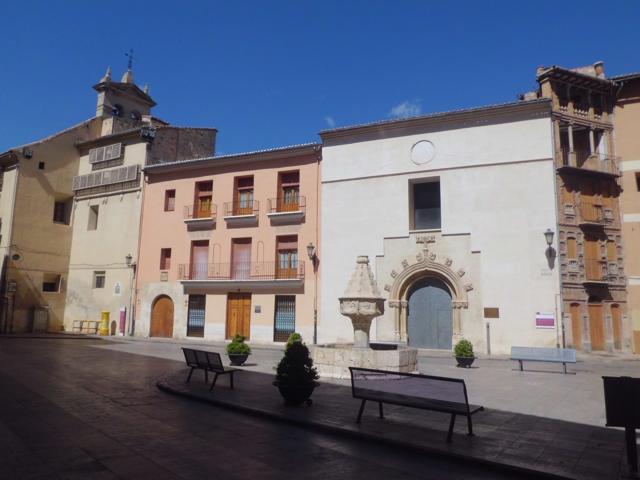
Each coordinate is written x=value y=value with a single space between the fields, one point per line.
x=199 y=260
x=430 y=322
x=203 y=199
x=238 y=314
x=593 y=262
x=596 y=326
x=576 y=326
x=616 y=320
x=289 y=192
x=241 y=258
x=287 y=256
x=243 y=201
x=162 y=318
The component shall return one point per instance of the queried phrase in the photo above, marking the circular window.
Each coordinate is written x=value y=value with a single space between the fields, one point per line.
x=423 y=152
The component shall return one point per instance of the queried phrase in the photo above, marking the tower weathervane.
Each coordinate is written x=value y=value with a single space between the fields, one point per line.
x=129 y=54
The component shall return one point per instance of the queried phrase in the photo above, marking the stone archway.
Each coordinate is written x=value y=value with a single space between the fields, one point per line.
x=409 y=276
x=162 y=317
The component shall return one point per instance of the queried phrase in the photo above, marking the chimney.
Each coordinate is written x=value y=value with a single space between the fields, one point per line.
x=599 y=68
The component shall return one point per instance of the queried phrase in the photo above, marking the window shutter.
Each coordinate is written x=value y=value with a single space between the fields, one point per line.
x=92 y=155
x=117 y=150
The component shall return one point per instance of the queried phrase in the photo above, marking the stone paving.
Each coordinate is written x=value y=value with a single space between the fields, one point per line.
x=493 y=382
x=69 y=410
x=559 y=448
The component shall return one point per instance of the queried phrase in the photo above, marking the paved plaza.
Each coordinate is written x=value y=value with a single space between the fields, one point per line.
x=82 y=409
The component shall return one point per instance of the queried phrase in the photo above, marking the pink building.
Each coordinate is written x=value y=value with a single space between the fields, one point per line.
x=225 y=245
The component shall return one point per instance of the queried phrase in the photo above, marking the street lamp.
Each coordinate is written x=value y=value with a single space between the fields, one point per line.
x=548 y=236
x=311 y=251
x=313 y=256
x=131 y=264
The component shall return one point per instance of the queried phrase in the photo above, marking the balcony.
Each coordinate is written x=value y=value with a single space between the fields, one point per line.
x=596 y=272
x=254 y=276
x=286 y=210
x=200 y=216
x=591 y=214
x=241 y=213
x=582 y=161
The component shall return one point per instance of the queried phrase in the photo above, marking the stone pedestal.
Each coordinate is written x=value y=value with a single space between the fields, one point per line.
x=334 y=360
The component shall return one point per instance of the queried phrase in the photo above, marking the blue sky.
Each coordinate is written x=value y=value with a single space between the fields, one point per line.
x=276 y=73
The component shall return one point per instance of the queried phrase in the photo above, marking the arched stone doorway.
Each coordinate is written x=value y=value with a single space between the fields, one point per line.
x=430 y=315
x=162 y=317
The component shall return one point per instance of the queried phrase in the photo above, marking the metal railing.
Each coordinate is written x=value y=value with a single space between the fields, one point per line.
x=232 y=209
x=200 y=211
x=286 y=204
x=240 y=271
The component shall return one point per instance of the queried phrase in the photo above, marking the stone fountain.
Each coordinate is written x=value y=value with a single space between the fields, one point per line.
x=362 y=303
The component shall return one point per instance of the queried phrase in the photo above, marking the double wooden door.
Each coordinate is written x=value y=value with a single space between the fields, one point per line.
x=238 y=314
x=162 y=318
x=430 y=322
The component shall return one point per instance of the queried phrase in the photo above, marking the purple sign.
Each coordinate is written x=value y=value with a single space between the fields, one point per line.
x=545 y=320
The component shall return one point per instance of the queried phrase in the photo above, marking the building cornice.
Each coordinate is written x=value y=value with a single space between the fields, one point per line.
x=281 y=153
x=541 y=106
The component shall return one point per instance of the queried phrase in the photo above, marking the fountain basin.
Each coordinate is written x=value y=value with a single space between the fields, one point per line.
x=334 y=360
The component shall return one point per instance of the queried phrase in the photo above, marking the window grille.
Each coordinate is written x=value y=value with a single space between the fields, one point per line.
x=285 y=317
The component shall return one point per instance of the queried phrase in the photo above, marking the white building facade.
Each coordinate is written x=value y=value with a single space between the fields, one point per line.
x=451 y=210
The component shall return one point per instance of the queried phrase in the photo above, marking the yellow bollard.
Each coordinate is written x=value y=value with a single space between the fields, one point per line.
x=104 y=324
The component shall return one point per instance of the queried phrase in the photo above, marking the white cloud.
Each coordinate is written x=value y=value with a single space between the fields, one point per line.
x=330 y=122
x=408 y=108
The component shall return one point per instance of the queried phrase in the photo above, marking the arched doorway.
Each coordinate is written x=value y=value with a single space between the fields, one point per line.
x=430 y=320
x=596 y=324
x=162 y=317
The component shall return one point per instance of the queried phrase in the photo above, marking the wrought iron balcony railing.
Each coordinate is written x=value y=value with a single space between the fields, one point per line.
x=195 y=212
x=248 y=207
x=256 y=271
x=286 y=204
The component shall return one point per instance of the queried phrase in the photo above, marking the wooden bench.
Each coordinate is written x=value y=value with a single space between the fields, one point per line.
x=208 y=362
x=440 y=394
x=85 y=326
x=543 y=354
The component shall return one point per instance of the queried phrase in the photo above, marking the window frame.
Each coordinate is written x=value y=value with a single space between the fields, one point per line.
x=413 y=184
x=170 y=193
x=99 y=274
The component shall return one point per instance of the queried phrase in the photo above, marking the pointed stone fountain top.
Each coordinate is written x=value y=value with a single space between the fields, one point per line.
x=362 y=302
x=362 y=284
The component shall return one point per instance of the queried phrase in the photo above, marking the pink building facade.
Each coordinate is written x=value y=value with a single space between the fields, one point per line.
x=228 y=247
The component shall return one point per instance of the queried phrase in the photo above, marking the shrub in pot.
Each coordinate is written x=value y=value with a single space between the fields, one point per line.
x=296 y=376
x=238 y=351
x=464 y=353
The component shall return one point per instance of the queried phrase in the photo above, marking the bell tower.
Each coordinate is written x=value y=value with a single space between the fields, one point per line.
x=121 y=105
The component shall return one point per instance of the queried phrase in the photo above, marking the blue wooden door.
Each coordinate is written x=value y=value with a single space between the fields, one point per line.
x=430 y=323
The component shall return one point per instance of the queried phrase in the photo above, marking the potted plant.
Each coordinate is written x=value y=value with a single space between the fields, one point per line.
x=238 y=351
x=464 y=353
x=296 y=376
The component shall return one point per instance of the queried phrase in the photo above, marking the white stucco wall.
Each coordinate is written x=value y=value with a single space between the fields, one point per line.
x=497 y=189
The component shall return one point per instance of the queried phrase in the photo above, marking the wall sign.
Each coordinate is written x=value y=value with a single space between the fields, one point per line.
x=545 y=320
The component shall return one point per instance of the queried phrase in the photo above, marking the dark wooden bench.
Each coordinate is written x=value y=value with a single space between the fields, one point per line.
x=543 y=354
x=208 y=362
x=440 y=394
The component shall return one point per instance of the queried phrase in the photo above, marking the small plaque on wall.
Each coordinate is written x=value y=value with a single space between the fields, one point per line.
x=491 y=312
x=258 y=309
x=164 y=276
x=545 y=320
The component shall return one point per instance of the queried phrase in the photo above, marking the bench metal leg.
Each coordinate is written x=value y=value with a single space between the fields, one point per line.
x=380 y=410
x=231 y=379
x=361 y=410
x=451 y=424
x=565 y=367
x=206 y=376
x=190 y=373
x=213 y=384
x=521 y=369
x=469 y=426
